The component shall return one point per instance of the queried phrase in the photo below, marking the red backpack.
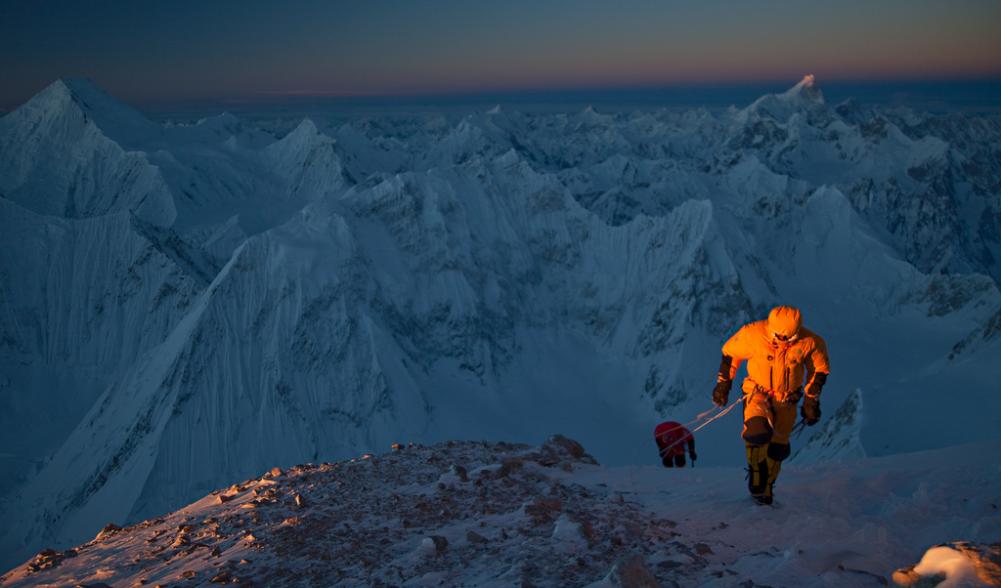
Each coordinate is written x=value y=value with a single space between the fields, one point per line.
x=671 y=438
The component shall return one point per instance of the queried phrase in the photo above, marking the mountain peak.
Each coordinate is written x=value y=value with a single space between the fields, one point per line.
x=807 y=88
x=804 y=96
x=117 y=120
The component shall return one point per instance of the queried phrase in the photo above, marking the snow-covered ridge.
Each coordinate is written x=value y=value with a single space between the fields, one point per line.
x=202 y=301
x=496 y=514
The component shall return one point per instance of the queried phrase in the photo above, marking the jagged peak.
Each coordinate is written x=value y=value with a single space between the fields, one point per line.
x=496 y=110
x=591 y=117
x=305 y=127
x=293 y=148
x=83 y=96
x=305 y=133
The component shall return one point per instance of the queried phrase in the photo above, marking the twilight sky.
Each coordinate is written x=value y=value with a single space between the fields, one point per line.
x=162 y=50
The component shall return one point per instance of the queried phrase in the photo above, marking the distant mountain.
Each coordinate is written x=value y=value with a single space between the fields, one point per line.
x=184 y=305
x=62 y=154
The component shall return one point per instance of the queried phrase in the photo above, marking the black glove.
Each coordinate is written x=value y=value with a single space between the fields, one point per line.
x=810 y=411
x=721 y=393
x=794 y=396
x=816 y=385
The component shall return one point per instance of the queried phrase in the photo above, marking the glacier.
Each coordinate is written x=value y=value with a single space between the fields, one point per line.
x=187 y=303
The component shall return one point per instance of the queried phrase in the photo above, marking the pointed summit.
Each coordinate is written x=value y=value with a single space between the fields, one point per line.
x=307 y=158
x=591 y=117
x=806 y=89
x=82 y=99
x=74 y=151
x=804 y=97
x=303 y=137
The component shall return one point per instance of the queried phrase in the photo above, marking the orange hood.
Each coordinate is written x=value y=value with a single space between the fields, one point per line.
x=785 y=321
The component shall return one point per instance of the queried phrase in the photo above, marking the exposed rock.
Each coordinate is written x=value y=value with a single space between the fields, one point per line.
x=543 y=510
x=460 y=472
x=222 y=577
x=632 y=572
x=352 y=512
x=559 y=449
x=440 y=543
x=109 y=530
x=910 y=579
x=46 y=559
x=433 y=546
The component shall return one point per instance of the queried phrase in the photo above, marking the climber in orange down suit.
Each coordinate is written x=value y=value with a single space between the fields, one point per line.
x=785 y=362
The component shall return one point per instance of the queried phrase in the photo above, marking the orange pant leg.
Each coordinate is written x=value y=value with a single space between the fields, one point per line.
x=756 y=408
x=781 y=417
x=783 y=420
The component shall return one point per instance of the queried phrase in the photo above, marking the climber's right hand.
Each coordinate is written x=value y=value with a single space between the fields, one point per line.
x=810 y=410
x=721 y=393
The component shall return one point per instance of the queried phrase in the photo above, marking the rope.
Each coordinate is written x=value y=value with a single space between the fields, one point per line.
x=701 y=416
x=797 y=430
x=698 y=418
x=722 y=412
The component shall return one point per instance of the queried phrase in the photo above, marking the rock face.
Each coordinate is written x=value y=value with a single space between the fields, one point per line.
x=186 y=304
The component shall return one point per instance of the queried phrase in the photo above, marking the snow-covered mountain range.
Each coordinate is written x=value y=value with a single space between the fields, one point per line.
x=184 y=305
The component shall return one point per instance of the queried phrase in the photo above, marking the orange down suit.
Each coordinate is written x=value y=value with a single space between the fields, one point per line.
x=776 y=373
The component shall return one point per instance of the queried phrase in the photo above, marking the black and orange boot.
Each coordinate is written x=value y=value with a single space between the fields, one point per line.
x=758 y=473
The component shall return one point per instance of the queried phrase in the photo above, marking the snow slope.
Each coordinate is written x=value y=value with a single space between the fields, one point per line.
x=202 y=300
x=482 y=514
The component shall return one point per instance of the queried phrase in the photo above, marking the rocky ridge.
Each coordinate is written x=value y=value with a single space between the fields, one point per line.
x=457 y=513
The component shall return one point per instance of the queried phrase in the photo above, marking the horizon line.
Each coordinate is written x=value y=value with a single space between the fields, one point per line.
x=265 y=96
